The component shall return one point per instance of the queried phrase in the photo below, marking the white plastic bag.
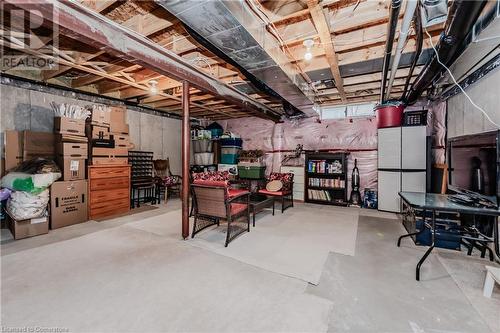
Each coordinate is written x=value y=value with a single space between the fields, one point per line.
x=23 y=205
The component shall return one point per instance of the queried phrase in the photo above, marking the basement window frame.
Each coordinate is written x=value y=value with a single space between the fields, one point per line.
x=359 y=110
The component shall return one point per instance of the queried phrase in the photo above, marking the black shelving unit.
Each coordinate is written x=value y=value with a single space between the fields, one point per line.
x=143 y=185
x=142 y=163
x=326 y=178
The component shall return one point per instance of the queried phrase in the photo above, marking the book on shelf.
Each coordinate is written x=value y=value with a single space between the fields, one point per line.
x=325 y=166
x=321 y=195
x=327 y=182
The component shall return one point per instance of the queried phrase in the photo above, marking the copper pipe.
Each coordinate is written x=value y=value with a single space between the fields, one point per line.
x=186 y=140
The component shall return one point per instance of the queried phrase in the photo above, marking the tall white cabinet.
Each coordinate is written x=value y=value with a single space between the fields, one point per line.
x=298 y=180
x=402 y=161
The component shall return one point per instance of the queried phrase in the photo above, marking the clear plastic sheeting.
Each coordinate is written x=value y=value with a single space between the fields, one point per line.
x=436 y=127
x=358 y=136
x=344 y=134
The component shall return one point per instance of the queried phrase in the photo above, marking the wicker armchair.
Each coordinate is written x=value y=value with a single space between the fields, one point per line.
x=212 y=203
x=166 y=182
x=286 y=192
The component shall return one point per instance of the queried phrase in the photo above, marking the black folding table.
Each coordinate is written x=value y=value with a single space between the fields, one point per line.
x=441 y=203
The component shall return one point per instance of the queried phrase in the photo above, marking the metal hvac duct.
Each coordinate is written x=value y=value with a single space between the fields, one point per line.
x=461 y=18
x=231 y=31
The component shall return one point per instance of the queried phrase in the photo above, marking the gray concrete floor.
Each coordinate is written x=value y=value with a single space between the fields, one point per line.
x=110 y=276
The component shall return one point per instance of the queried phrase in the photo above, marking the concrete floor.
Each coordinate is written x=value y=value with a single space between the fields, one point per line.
x=115 y=276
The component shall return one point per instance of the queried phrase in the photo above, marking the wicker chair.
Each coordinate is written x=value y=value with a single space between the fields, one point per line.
x=286 y=193
x=166 y=182
x=212 y=203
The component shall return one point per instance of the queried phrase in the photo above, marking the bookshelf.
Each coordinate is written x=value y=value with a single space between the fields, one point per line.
x=326 y=178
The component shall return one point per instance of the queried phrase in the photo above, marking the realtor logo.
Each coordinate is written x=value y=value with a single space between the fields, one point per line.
x=29 y=36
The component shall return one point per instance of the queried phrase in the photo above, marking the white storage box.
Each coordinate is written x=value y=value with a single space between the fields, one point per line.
x=203 y=158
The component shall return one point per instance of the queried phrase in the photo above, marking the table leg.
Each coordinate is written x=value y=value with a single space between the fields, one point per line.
x=413 y=233
x=495 y=237
x=433 y=238
x=253 y=211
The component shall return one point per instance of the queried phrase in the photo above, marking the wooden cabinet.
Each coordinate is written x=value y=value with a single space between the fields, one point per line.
x=298 y=180
x=109 y=190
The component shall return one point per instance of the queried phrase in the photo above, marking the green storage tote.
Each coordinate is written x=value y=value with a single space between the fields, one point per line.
x=252 y=172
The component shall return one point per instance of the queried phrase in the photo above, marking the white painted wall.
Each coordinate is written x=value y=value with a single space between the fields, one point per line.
x=24 y=109
x=464 y=118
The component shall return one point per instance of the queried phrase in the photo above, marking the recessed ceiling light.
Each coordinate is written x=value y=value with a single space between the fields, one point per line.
x=153 y=86
x=308 y=43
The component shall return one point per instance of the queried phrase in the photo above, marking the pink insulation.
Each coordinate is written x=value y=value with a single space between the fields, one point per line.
x=358 y=136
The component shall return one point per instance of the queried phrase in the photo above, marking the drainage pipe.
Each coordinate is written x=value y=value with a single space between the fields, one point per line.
x=391 y=31
x=461 y=18
x=403 y=36
x=417 y=20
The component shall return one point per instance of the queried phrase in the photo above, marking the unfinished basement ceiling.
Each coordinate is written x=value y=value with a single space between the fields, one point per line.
x=272 y=52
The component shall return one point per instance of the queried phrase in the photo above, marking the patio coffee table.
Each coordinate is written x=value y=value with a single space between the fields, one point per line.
x=258 y=202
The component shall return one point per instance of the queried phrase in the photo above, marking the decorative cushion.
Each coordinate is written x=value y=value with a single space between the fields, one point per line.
x=235 y=191
x=237 y=208
x=275 y=193
x=213 y=175
x=274 y=185
x=170 y=181
x=284 y=177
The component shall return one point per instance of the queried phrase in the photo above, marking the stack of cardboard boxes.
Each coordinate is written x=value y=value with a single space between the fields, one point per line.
x=68 y=198
x=108 y=134
x=21 y=146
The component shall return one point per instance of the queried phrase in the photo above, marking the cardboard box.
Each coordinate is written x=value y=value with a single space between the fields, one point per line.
x=64 y=125
x=38 y=144
x=71 y=138
x=99 y=132
x=13 y=141
x=122 y=140
x=72 y=149
x=28 y=228
x=118 y=120
x=100 y=117
x=109 y=161
x=72 y=168
x=68 y=203
x=109 y=152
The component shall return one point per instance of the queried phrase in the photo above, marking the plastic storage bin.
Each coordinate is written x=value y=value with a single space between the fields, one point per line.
x=203 y=158
x=230 y=150
x=238 y=142
x=252 y=172
x=202 y=146
x=229 y=158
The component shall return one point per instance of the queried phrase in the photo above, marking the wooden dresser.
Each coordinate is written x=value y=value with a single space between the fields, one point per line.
x=109 y=190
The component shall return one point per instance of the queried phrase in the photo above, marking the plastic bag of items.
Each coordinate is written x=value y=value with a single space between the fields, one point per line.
x=4 y=194
x=24 y=205
x=32 y=176
x=70 y=111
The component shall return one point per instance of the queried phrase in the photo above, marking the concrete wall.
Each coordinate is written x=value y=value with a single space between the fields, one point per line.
x=26 y=109
x=464 y=118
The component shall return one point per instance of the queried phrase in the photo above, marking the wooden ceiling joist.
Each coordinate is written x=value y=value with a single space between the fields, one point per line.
x=321 y=25
x=78 y=22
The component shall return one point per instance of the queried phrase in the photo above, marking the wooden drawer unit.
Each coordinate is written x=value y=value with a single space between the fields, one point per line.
x=109 y=190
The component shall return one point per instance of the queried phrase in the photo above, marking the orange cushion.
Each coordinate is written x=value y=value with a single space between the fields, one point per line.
x=278 y=193
x=237 y=208
x=235 y=191
x=207 y=182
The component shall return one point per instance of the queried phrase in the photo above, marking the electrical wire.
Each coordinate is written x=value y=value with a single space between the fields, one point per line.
x=456 y=83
